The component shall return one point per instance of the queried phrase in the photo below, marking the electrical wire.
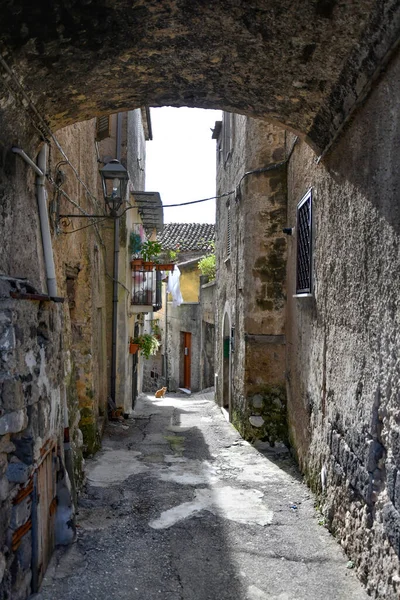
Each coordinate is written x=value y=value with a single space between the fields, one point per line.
x=85 y=227
x=197 y=201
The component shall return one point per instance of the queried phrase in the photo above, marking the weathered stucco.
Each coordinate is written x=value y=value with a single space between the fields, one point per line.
x=343 y=378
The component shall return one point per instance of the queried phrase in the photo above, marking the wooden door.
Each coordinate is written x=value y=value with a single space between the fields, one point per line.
x=46 y=508
x=187 y=358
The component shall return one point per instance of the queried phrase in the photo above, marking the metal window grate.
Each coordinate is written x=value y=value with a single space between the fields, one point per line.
x=228 y=233
x=304 y=247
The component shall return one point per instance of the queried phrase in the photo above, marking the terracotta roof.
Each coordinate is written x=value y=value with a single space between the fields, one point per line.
x=189 y=236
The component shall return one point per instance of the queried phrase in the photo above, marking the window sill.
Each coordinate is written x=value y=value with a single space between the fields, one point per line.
x=303 y=296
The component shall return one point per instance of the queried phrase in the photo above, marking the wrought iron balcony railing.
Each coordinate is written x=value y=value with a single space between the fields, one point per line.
x=146 y=288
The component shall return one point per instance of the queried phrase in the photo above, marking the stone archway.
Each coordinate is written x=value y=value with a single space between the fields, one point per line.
x=304 y=63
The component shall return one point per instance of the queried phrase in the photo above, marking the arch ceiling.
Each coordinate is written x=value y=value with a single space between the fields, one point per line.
x=303 y=63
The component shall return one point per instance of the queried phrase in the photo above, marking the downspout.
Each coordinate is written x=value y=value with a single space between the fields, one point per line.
x=119 y=135
x=115 y=279
x=40 y=170
x=115 y=311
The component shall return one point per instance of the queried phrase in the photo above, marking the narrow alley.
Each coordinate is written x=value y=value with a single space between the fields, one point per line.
x=179 y=507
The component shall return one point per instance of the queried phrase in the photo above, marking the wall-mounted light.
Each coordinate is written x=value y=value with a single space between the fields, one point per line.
x=288 y=230
x=115 y=180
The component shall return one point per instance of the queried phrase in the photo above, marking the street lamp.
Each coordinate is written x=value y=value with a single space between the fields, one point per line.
x=115 y=179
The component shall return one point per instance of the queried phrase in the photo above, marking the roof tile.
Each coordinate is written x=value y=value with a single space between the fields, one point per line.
x=187 y=236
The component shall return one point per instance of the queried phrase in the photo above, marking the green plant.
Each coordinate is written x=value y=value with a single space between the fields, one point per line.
x=148 y=344
x=135 y=243
x=172 y=253
x=155 y=327
x=150 y=250
x=207 y=265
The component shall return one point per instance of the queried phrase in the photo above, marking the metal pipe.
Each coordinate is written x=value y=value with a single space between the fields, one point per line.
x=40 y=170
x=44 y=224
x=115 y=311
x=119 y=135
x=28 y=160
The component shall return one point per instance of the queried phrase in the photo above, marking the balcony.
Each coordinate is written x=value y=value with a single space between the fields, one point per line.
x=146 y=290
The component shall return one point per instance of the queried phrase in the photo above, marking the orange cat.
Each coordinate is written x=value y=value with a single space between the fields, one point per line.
x=160 y=393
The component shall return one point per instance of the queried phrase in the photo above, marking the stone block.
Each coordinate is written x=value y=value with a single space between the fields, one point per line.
x=24 y=449
x=13 y=422
x=391 y=524
x=21 y=512
x=24 y=552
x=18 y=472
x=4 y=488
x=6 y=445
x=7 y=335
x=256 y=421
x=12 y=396
x=2 y=566
x=257 y=401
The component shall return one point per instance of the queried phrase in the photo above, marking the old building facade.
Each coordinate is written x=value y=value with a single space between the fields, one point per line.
x=185 y=359
x=57 y=339
x=307 y=314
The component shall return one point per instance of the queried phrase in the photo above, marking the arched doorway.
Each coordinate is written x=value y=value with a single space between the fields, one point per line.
x=226 y=365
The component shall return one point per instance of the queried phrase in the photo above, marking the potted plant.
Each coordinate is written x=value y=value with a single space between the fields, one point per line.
x=135 y=246
x=167 y=262
x=148 y=344
x=150 y=250
x=133 y=346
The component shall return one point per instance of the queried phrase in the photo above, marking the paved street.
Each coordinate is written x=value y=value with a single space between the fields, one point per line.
x=178 y=507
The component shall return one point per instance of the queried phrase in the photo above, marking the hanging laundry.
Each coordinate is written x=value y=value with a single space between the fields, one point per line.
x=173 y=287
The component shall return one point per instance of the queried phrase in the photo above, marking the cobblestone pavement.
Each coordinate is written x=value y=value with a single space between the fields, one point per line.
x=179 y=507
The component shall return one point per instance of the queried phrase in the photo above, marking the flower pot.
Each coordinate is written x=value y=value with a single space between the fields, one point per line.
x=137 y=264
x=165 y=267
x=148 y=265
x=133 y=348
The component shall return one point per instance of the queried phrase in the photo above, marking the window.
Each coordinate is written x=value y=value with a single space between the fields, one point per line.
x=102 y=128
x=227 y=135
x=304 y=245
x=228 y=231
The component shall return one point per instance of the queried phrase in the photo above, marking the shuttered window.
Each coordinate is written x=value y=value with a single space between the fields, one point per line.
x=102 y=128
x=228 y=231
x=304 y=244
x=227 y=131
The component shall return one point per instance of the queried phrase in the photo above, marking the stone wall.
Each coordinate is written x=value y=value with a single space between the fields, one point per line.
x=251 y=281
x=207 y=304
x=54 y=374
x=343 y=367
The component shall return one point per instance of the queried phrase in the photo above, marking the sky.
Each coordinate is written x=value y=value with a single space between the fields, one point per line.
x=181 y=160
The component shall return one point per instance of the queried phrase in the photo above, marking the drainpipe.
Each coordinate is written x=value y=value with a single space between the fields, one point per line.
x=40 y=170
x=119 y=135
x=115 y=279
x=115 y=311
x=44 y=224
